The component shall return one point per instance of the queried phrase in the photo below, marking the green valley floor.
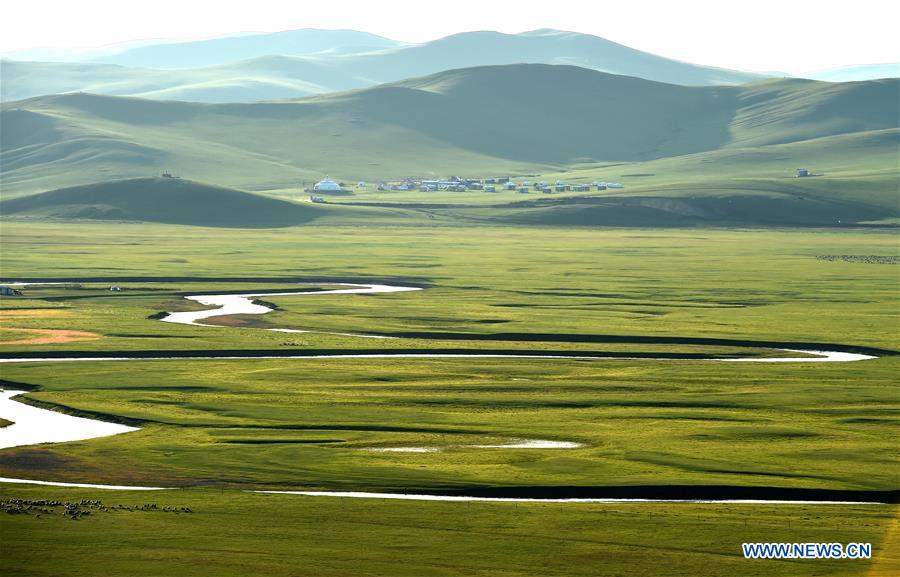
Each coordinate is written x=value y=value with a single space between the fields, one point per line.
x=219 y=428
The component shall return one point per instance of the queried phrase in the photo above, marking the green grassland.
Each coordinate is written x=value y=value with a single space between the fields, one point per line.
x=312 y=423
x=755 y=285
x=219 y=426
x=287 y=535
x=745 y=285
x=228 y=425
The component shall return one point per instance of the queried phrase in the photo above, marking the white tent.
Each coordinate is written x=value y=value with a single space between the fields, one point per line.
x=327 y=184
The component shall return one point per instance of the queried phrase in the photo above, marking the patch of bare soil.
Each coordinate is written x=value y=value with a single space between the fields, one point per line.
x=48 y=336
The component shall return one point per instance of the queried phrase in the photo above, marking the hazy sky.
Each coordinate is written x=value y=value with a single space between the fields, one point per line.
x=792 y=36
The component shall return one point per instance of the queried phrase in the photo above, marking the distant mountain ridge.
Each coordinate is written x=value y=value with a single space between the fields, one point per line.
x=222 y=50
x=856 y=73
x=306 y=62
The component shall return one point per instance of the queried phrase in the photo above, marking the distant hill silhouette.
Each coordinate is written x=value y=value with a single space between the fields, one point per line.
x=299 y=63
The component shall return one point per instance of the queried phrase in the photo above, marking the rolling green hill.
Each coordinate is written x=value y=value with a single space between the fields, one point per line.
x=298 y=63
x=560 y=121
x=164 y=200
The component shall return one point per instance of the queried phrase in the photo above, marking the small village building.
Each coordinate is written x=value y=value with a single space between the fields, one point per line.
x=9 y=291
x=801 y=172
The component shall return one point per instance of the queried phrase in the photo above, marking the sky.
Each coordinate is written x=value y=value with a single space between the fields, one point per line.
x=792 y=36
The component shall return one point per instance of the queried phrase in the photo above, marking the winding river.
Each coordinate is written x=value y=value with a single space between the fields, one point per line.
x=33 y=425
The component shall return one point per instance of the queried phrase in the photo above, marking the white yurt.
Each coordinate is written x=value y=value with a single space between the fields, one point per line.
x=327 y=184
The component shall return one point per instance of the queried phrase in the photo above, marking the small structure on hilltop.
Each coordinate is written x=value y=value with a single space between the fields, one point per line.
x=802 y=172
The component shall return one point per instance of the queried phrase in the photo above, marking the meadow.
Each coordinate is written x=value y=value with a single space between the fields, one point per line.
x=217 y=427
x=231 y=533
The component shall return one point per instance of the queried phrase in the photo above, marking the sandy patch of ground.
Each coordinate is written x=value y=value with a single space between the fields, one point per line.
x=42 y=336
x=48 y=336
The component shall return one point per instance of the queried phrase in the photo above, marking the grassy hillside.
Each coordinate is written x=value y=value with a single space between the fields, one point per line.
x=857 y=181
x=516 y=119
x=300 y=63
x=164 y=200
